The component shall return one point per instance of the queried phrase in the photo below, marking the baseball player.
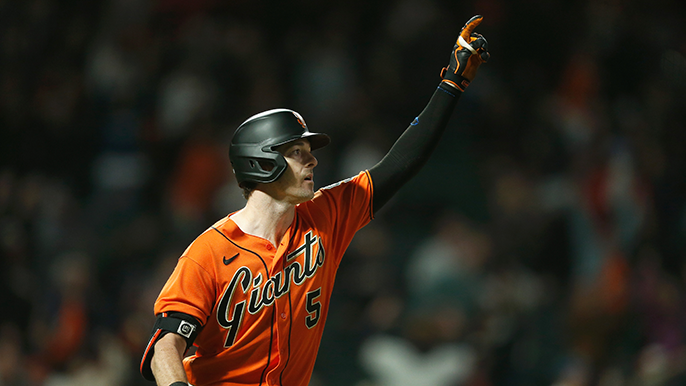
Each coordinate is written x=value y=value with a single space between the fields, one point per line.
x=252 y=291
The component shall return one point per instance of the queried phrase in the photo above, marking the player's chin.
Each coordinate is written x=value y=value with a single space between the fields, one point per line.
x=309 y=193
x=304 y=195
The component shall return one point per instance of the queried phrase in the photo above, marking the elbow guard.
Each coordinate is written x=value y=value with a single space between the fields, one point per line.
x=179 y=323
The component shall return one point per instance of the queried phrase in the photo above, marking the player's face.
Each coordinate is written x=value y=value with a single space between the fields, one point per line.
x=296 y=185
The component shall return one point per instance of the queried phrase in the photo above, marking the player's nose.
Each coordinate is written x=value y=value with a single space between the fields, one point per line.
x=311 y=161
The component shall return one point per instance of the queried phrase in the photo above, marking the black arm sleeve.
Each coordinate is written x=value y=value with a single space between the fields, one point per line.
x=411 y=151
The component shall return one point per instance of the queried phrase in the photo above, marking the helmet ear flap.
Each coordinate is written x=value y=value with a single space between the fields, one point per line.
x=250 y=164
x=265 y=165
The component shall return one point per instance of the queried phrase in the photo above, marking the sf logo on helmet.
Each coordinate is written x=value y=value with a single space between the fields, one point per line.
x=300 y=120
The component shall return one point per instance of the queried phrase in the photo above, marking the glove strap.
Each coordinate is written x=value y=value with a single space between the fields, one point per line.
x=460 y=86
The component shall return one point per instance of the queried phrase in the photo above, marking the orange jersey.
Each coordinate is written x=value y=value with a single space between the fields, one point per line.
x=263 y=307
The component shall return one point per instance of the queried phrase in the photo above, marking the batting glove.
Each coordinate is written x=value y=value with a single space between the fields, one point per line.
x=469 y=52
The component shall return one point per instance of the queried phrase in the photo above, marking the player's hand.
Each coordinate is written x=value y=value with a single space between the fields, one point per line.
x=469 y=52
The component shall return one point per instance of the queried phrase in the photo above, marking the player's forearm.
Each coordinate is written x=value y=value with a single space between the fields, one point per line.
x=167 y=363
x=414 y=147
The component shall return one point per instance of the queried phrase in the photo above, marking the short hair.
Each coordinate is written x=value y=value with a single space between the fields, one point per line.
x=248 y=187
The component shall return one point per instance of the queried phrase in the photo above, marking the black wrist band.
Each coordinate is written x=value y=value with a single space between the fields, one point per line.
x=448 y=89
x=179 y=383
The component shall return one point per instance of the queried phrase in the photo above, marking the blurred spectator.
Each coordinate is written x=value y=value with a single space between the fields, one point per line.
x=426 y=354
x=448 y=268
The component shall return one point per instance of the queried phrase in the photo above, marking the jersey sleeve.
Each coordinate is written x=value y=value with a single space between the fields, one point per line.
x=191 y=287
x=345 y=207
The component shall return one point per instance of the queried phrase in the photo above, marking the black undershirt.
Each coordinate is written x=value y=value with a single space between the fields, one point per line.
x=414 y=147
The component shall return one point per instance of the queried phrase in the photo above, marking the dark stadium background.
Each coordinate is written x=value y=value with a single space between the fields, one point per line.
x=545 y=238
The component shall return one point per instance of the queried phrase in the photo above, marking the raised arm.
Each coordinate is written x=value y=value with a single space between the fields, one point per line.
x=413 y=148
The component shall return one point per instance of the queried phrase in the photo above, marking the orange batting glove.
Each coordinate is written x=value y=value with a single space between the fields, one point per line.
x=470 y=51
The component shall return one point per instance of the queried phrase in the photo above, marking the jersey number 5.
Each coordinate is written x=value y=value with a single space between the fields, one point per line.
x=313 y=307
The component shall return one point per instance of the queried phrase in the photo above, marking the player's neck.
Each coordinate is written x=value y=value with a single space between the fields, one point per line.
x=265 y=217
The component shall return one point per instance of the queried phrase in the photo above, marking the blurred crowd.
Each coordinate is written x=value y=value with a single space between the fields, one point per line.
x=543 y=243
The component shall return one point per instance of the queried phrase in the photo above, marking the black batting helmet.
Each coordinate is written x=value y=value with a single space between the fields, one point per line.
x=256 y=139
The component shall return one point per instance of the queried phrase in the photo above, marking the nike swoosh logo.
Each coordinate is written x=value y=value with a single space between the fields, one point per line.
x=230 y=259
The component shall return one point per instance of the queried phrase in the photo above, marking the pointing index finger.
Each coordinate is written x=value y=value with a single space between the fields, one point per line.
x=469 y=26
